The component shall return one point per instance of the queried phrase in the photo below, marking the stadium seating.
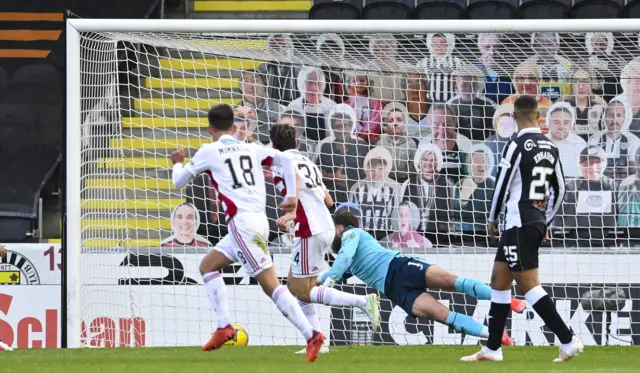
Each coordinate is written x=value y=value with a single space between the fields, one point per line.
x=543 y=9
x=381 y=9
x=490 y=9
x=596 y=9
x=329 y=9
x=428 y=9
x=632 y=9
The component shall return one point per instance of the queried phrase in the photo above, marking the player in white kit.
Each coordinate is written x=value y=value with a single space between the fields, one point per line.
x=314 y=233
x=235 y=170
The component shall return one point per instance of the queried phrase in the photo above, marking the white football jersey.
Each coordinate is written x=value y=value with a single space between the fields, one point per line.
x=235 y=169
x=312 y=216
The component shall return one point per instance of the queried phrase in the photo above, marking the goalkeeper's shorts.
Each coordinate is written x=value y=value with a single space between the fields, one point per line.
x=405 y=281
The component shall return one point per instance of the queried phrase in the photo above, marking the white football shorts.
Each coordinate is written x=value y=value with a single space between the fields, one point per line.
x=307 y=256
x=246 y=242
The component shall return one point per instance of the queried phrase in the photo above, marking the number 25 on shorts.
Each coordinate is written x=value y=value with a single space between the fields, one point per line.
x=511 y=254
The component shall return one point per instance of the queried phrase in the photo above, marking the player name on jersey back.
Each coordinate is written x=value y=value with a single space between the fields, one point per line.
x=235 y=169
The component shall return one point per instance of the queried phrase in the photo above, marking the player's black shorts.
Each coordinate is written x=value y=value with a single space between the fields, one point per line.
x=519 y=246
x=405 y=281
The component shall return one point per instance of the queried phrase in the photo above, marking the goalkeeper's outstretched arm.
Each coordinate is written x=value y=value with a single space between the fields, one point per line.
x=344 y=259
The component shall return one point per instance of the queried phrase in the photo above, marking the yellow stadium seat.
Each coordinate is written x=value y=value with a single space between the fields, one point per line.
x=137 y=183
x=252 y=6
x=214 y=63
x=181 y=103
x=164 y=122
x=177 y=83
x=140 y=162
x=192 y=142
x=122 y=204
x=151 y=223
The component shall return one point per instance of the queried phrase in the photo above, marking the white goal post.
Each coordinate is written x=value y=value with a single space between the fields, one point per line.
x=127 y=286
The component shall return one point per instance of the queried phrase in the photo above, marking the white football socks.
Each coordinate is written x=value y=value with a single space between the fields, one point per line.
x=333 y=297
x=288 y=305
x=309 y=310
x=217 y=292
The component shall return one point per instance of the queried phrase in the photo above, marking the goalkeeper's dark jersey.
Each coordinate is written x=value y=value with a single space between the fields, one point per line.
x=530 y=182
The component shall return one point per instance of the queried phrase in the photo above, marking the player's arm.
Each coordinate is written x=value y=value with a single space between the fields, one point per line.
x=182 y=174
x=509 y=161
x=350 y=240
x=328 y=200
x=270 y=156
x=557 y=192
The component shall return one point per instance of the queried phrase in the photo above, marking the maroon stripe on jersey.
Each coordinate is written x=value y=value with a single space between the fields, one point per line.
x=303 y=260
x=230 y=208
x=303 y=230
x=301 y=217
x=243 y=247
x=267 y=162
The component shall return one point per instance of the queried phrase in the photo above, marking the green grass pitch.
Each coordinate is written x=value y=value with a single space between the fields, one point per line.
x=386 y=359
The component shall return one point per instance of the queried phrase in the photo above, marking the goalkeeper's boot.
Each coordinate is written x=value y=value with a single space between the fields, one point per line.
x=507 y=340
x=518 y=305
x=219 y=337
x=314 y=345
x=373 y=311
x=571 y=349
x=323 y=350
x=484 y=355
x=5 y=347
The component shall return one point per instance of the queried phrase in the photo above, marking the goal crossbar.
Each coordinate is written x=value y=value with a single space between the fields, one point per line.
x=351 y=26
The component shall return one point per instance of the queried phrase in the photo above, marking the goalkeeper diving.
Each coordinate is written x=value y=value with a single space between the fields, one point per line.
x=403 y=279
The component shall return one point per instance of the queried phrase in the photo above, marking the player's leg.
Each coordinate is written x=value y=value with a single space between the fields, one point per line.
x=428 y=307
x=251 y=233
x=501 y=280
x=438 y=278
x=288 y=305
x=298 y=286
x=529 y=283
x=216 y=289
x=308 y=262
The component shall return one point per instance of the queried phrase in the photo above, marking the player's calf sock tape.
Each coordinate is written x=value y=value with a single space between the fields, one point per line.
x=546 y=309
x=473 y=287
x=217 y=293
x=465 y=324
x=288 y=305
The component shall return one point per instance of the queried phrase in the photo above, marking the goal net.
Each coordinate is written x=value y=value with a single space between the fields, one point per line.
x=409 y=126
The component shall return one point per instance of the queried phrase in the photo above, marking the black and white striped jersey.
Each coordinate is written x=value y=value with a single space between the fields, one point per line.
x=530 y=183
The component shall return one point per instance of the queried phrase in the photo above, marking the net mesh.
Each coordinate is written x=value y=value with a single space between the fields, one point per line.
x=410 y=127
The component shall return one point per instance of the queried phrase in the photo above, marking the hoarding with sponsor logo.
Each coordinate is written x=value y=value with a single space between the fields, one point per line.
x=150 y=298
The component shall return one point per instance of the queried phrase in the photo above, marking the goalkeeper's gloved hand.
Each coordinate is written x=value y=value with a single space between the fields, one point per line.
x=329 y=282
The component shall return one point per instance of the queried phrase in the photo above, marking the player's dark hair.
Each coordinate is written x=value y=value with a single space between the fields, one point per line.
x=346 y=218
x=282 y=137
x=297 y=117
x=526 y=104
x=221 y=117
